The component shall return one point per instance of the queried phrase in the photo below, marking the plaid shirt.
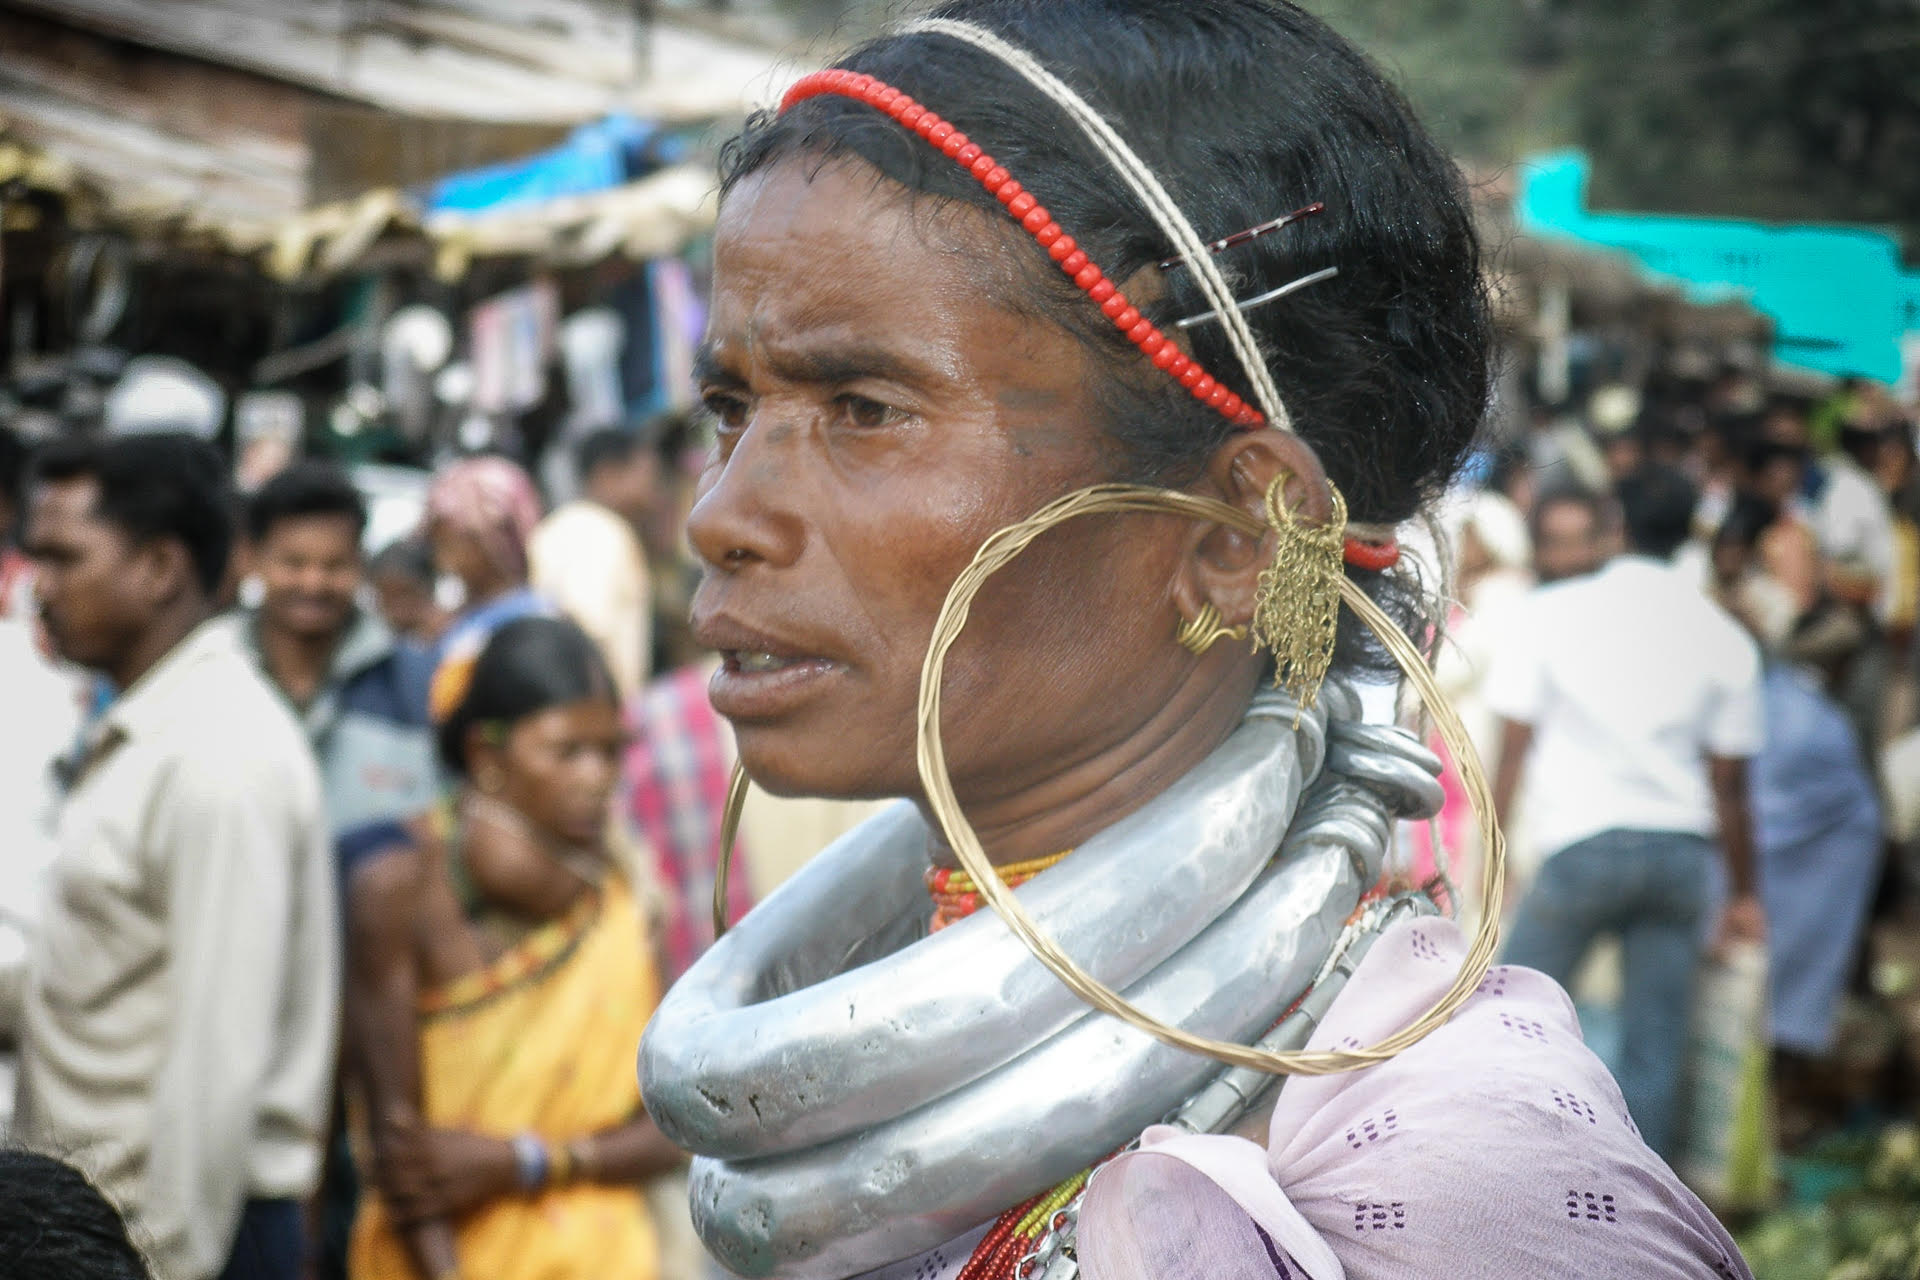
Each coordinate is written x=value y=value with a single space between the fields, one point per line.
x=677 y=772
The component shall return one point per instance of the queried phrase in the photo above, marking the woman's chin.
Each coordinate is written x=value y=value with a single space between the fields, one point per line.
x=581 y=833
x=784 y=763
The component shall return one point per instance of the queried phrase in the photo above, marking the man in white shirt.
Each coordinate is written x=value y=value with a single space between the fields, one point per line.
x=181 y=997
x=1631 y=703
x=587 y=559
x=1853 y=522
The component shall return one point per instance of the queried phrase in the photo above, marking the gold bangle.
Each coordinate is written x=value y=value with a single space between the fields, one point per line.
x=562 y=1170
x=580 y=1157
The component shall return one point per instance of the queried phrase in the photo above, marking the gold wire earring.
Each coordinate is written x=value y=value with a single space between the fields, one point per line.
x=1201 y=632
x=1296 y=609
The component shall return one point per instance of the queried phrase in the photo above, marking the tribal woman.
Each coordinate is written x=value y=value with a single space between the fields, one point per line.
x=496 y=958
x=1060 y=349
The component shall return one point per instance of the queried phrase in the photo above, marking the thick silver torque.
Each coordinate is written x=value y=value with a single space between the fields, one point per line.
x=1054 y=1094
x=849 y=1206
x=811 y=1019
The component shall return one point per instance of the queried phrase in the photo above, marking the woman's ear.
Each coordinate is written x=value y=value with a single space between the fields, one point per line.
x=486 y=750
x=1225 y=564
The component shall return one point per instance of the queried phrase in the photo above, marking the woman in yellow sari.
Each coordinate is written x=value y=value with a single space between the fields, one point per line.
x=499 y=980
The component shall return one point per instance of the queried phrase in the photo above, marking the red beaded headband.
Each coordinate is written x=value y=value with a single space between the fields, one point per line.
x=1061 y=247
x=1030 y=214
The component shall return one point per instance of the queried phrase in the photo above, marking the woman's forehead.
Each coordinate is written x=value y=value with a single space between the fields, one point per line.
x=837 y=236
x=828 y=273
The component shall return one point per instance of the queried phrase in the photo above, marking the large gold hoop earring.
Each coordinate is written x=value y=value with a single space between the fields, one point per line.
x=1205 y=629
x=729 y=834
x=1001 y=549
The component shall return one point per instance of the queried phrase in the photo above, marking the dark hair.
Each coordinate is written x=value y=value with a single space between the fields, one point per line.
x=672 y=433
x=55 y=1225
x=1569 y=495
x=165 y=485
x=309 y=488
x=1244 y=109
x=1656 y=504
x=1861 y=443
x=1759 y=451
x=1748 y=518
x=528 y=665
x=614 y=446
x=409 y=557
x=14 y=456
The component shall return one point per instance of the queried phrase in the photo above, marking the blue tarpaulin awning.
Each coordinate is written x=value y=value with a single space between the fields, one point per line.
x=610 y=152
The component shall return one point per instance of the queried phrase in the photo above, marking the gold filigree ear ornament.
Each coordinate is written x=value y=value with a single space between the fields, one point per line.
x=1296 y=614
x=1296 y=611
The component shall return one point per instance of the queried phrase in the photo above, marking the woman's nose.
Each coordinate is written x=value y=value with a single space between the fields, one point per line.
x=746 y=513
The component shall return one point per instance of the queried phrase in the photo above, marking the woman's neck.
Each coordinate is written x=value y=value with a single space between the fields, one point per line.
x=519 y=867
x=1063 y=809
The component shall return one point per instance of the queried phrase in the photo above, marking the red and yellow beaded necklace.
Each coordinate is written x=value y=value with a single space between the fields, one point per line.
x=956 y=896
x=1016 y=1232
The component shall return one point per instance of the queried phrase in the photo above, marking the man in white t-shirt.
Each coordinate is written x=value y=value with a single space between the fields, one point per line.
x=586 y=556
x=1631 y=704
x=1853 y=520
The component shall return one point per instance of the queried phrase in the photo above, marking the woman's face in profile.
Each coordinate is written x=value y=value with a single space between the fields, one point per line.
x=880 y=411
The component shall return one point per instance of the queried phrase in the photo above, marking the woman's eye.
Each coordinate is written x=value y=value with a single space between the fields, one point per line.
x=729 y=411
x=867 y=414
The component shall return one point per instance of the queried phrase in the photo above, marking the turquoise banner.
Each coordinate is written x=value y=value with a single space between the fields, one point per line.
x=1839 y=298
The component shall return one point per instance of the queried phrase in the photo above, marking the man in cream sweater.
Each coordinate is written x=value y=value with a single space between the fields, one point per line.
x=177 y=1034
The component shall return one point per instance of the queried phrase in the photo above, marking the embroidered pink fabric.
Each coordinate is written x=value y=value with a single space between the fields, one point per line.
x=1498 y=1148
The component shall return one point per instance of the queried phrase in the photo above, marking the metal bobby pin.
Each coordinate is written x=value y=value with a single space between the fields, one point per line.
x=1292 y=286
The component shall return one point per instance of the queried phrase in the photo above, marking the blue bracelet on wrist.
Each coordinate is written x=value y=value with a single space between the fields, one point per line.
x=532 y=1162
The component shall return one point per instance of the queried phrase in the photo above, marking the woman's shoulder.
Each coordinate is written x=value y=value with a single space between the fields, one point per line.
x=1504 y=1089
x=383 y=860
x=1496 y=1146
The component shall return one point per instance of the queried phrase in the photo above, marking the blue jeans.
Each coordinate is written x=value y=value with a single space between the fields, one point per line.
x=271 y=1243
x=1650 y=888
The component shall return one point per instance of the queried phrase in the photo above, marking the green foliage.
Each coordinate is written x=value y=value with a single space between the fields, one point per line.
x=1784 y=109
x=1804 y=109
x=1869 y=1233
x=1465 y=64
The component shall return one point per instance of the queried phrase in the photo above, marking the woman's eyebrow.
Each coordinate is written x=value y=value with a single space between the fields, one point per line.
x=709 y=369
x=841 y=362
x=825 y=363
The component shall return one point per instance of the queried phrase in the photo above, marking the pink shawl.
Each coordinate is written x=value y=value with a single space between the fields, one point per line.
x=1496 y=1148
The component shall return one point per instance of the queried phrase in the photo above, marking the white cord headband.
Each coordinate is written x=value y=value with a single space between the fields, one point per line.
x=1166 y=214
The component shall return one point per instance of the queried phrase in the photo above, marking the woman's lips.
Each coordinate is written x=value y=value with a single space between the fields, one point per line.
x=757 y=685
